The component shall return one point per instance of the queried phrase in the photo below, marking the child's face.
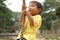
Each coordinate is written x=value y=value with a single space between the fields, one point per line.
x=32 y=9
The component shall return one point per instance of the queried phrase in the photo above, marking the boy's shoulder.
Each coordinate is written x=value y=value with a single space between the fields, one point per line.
x=37 y=16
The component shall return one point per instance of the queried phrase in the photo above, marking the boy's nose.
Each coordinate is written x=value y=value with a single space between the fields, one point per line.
x=29 y=8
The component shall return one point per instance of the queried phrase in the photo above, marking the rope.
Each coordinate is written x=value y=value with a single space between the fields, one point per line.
x=22 y=28
x=22 y=25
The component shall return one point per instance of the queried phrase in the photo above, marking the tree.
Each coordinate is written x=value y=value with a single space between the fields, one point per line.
x=16 y=21
x=58 y=9
x=5 y=17
x=48 y=14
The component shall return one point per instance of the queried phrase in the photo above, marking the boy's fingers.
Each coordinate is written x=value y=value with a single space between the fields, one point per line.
x=24 y=12
x=23 y=7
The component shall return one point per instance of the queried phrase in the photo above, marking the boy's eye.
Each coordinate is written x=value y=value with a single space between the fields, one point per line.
x=32 y=5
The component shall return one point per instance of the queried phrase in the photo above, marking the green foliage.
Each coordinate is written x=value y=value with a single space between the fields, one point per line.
x=58 y=9
x=5 y=17
x=50 y=16
x=47 y=19
x=49 y=4
x=16 y=18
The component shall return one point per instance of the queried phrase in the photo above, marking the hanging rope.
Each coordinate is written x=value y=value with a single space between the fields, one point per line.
x=22 y=25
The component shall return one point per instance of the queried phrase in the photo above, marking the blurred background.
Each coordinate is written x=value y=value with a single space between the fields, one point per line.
x=9 y=14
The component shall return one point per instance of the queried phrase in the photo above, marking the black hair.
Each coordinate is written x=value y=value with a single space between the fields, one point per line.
x=39 y=5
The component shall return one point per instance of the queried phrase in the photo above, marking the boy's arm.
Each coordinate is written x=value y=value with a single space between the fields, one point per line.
x=20 y=19
x=29 y=16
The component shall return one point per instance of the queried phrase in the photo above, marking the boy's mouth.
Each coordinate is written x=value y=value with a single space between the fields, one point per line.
x=29 y=9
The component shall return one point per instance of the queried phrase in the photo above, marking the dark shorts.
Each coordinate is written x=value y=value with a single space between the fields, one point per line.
x=22 y=39
x=17 y=39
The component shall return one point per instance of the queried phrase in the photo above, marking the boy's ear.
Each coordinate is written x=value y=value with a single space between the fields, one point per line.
x=39 y=10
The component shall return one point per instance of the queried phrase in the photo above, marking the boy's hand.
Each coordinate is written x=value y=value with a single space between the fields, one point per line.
x=24 y=9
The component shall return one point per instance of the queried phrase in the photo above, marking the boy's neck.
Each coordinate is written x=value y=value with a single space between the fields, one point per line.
x=35 y=14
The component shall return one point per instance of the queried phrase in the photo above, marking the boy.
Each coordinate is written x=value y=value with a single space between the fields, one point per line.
x=33 y=20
